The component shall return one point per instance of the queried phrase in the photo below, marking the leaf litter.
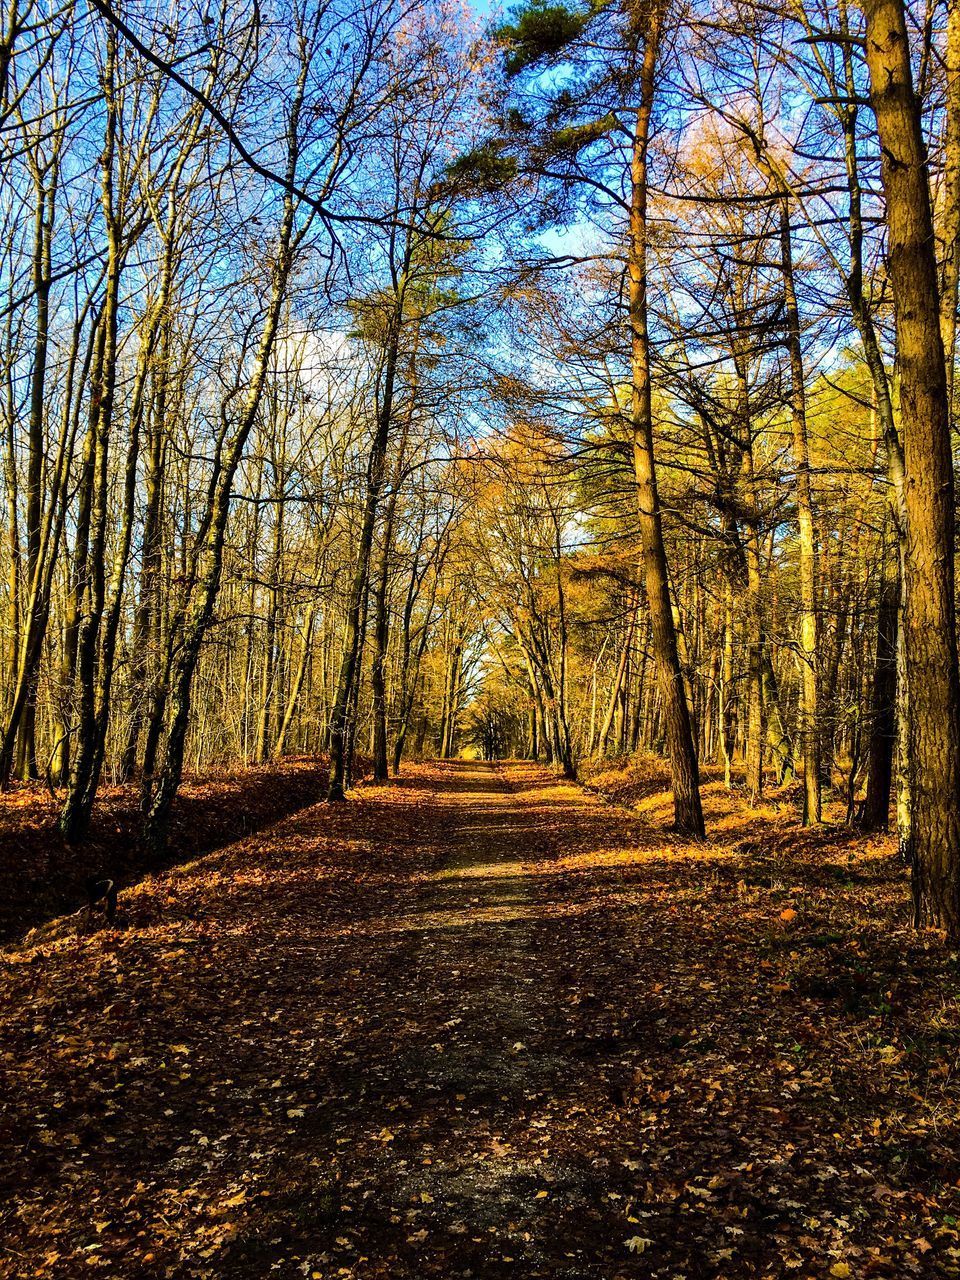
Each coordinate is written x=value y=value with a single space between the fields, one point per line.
x=479 y=1023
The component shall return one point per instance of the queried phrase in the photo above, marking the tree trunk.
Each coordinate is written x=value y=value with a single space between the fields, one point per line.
x=42 y=268
x=929 y=618
x=809 y=655
x=339 y=727
x=84 y=770
x=161 y=790
x=607 y=723
x=728 y=724
x=950 y=217
x=296 y=688
x=688 y=812
x=875 y=815
x=381 y=599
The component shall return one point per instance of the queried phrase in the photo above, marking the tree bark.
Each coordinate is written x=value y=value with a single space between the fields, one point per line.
x=950 y=216
x=161 y=790
x=875 y=815
x=929 y=617
x=376 y=462
x=809 y=655
x=688 y=811
x=607 y=723
x=381 y=601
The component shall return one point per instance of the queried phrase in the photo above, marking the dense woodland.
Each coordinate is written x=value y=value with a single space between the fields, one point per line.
x=384 y=381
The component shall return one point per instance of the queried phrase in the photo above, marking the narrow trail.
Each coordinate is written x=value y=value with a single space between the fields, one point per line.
x=471 y=971
x=474 y=1024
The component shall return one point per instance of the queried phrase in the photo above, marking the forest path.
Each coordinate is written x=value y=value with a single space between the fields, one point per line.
x=474 y=1023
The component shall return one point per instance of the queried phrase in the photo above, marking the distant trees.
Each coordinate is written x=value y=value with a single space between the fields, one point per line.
x=403 y=319
x=525 y=516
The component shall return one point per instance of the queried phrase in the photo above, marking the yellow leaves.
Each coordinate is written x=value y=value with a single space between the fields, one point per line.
x=788 y=915
x=840 y=1271
x=638 y=1244
x=50 y=1138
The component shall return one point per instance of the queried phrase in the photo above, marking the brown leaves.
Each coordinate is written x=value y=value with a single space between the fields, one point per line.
x=41 y=877
x=465 y=1026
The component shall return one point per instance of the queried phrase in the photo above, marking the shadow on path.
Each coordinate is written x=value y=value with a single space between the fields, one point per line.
x=473 y=1023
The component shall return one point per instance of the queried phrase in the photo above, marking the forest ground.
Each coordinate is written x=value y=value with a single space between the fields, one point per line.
x=483 y=1023
x=40 y=875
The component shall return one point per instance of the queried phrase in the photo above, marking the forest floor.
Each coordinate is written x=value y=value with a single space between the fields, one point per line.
x=483 y=1023
x=41 y=875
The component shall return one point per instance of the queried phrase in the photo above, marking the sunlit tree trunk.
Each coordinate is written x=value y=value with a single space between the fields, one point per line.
x=84 y=766
x=949 y=228
x=929 y=617
x=809 y=648
x=883 y=407
x=611 y=709
x=688 y=812
x=26 y=764
x=160 y=790
x=728 y=726
x=376 y=463
x=381 y=595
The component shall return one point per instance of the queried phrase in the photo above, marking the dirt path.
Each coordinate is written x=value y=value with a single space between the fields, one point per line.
x=474 y=1024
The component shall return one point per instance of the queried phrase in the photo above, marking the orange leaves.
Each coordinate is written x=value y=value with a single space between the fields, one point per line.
x=449 y=1027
